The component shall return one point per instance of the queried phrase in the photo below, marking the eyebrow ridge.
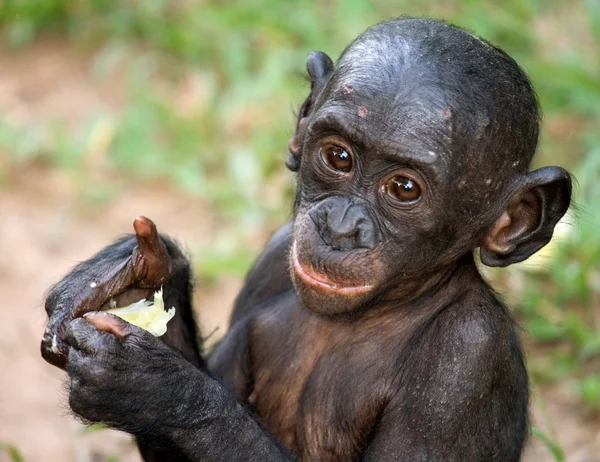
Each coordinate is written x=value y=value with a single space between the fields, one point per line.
x=394 y=151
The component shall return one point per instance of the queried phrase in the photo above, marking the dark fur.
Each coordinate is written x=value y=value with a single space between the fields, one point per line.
x=426 y=365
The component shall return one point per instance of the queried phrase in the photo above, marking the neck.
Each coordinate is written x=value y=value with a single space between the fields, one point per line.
x=437 y=288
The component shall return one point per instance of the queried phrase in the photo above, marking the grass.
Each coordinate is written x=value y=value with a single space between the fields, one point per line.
x=12 y=452
x=210 y=90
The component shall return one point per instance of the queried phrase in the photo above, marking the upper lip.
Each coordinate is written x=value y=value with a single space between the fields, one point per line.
x=322 y=281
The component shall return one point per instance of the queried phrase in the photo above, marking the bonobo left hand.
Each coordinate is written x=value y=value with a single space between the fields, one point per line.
x=125 y=377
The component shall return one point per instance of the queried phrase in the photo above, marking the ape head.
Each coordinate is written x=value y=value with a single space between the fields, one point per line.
x=412 y=151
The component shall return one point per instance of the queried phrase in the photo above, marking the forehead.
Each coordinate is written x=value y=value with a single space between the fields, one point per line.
x=392 y=91
x=405 y=119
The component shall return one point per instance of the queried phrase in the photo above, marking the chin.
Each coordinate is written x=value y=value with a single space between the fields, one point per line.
x=320 y=294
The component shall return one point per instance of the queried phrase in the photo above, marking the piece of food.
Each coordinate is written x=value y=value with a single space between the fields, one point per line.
x=150 y=316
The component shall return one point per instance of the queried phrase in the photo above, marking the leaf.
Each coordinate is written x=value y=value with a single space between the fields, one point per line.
x=96 y=427
x=552 y=446
x=12 y=451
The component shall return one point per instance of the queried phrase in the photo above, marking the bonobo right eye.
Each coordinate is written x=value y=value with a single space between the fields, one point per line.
x=336 y=157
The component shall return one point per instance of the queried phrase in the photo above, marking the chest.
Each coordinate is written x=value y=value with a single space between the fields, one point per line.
x=318 y=384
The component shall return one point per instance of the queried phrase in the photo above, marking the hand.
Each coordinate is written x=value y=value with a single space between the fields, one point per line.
x=127 y=271
x=123 y=376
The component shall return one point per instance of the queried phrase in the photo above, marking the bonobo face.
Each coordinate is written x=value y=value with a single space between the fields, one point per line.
x=369 y=213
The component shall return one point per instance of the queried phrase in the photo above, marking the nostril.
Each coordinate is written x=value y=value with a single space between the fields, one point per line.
x=344 y=239
x=347 y=243
x=326 y=236
x=342 y=224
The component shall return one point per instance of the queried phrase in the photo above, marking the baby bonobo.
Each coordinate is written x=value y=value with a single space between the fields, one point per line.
x=365 y=330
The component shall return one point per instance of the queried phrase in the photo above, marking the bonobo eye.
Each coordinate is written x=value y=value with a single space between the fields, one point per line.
x=402 y=188
x=336 y=157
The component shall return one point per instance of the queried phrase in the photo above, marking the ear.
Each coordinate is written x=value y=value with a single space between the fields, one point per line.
x=319 y=67
x=528 y=222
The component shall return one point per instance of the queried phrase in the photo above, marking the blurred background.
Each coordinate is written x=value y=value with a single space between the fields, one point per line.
x=181 y=111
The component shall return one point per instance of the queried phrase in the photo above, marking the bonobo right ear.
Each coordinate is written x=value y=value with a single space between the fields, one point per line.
x=319 y=67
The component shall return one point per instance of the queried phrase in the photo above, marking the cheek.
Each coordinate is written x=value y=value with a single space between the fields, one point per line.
x=303 y=228
x=415 y=240
x=417 y=251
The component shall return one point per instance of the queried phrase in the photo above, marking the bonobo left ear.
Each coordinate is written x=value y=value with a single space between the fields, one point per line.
x=528 y=222
x=319 y=67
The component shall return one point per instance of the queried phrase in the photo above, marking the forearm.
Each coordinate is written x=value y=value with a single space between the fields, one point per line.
x=213 y=425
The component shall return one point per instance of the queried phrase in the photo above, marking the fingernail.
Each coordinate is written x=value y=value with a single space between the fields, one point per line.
x=91 y=314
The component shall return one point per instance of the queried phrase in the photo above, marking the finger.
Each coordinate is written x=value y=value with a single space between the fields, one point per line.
x=86 y=338
x=112 y=324
x=85 y=377
x=79 y=366
x=129 y=336
x=151 y=262
x=53 y=348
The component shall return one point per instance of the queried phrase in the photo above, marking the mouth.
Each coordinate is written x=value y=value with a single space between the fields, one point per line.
x=322 y=282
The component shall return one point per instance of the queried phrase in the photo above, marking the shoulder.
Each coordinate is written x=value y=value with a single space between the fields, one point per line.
x=475 y=322
x=482 y=331
x=268 y=277
x=473 y=341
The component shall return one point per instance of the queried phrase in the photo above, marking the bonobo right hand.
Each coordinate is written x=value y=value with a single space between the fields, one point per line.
x=128 y=270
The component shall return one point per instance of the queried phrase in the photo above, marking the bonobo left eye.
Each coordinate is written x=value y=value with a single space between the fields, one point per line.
x=402 y=188
x=337 y=157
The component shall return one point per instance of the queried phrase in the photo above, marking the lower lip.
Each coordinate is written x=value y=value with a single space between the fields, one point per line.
x=321 y=281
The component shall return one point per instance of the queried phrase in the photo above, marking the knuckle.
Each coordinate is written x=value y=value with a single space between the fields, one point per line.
x=137 y=338
x=73 y=358
x=99 y=373
x=77 y=396
x=75 y=325
x=84 y=396
x=51 y=302
x=141 y=348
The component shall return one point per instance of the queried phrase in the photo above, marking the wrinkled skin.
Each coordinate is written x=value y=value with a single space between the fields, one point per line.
x=364 y=330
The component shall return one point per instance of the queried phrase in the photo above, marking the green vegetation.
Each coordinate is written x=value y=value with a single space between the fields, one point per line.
x=210 y=87
x=554 y=449
x=12 y=452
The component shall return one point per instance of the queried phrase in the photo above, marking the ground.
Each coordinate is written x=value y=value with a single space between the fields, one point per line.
x=45 y=229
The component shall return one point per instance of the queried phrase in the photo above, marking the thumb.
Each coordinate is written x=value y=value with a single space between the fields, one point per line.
x=151 y=263
x=112 y=324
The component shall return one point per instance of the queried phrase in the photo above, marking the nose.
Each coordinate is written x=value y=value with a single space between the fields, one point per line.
x=344 y=225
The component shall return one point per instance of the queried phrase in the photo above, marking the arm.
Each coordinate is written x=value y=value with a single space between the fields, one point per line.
x=221 y=428
x=164 y=407
x=128 y=270
x=267 y=279
x=161 y=397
